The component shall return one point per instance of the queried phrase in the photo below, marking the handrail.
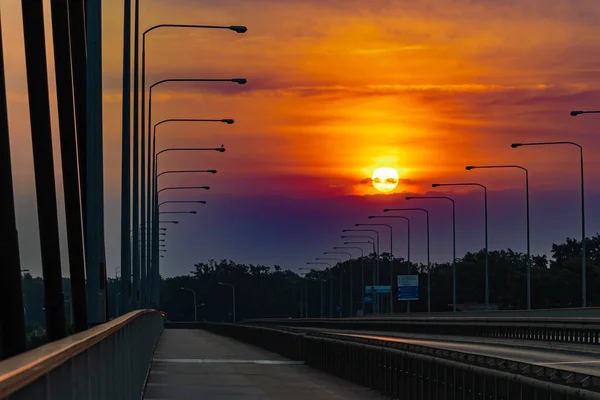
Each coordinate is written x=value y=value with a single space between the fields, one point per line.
x=19 y=371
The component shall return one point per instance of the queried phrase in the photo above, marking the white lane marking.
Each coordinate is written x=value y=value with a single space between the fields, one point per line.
x=227 y=361
x=570 y=362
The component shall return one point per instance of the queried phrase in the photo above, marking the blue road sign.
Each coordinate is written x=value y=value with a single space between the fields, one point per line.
x=408 y=287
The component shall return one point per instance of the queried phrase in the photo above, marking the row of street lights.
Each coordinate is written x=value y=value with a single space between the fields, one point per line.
x=196 y=305
x=141 y=209
x=374 y=241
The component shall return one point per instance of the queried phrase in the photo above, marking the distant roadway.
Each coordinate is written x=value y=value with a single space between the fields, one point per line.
x=579 y=358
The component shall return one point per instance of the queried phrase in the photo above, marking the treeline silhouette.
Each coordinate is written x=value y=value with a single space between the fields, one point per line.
x=263 y=291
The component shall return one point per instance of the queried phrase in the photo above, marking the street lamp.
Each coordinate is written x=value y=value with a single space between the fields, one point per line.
x=182 y=202
x=487 y=290
x=362 y=275
x=183 y=188
x=583 y=239
x=375 y=261
x=189 y=171
x=168 y=222
x=340 y=278
x=576 y=113
x=351 y=313
x=195 y=309
x=471 y=167
x=330 y=287
x=391 y=261
x=407 y=247
x=177 y=212
x=453 y=240
x=428 y=259
x=233 y=293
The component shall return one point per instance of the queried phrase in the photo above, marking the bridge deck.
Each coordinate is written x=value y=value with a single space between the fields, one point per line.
x=195 y=364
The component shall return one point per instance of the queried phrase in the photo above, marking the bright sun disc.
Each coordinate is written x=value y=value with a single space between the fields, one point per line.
x=385 y=179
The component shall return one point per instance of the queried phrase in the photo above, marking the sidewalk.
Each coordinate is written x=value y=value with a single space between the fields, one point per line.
x=195 y=364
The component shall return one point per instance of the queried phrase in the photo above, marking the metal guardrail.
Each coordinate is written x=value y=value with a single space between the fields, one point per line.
x=109 y=361
x=566 y=330
x=405 y=374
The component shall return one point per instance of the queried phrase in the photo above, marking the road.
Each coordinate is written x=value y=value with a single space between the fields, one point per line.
x=584 y=359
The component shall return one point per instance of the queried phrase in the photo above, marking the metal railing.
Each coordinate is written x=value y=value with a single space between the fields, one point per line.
x=109 y=361
x=565 y=330
x=406 y=374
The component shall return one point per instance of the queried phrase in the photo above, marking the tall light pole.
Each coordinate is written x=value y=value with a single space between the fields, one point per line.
x=331 y=284
x=391 y=261
x=155 y=268
x=471 y=167
x=195 y=308
x=453 y=240
x=151 y=150
x=375 y=266
x=485 y=213
x=407 y=248
x=237 y=29
x=305 y=293
x=428 y=247
x=233 y=297
x=371 y=241
x=330 y=287
x=341 y=277
x=362 y=274
x=583 y=239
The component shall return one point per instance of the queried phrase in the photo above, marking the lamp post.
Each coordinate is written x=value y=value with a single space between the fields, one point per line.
x=152 y=170
x=331 y=284
x=407 y=247
x=182 y=202
x=485 y=212
x=153 y=201
x=330 y=287
x=195 y=308
x=151 y=150
x=237 y=29
x=304 y=299
x=391 y=261
x=233 y=297
x=371 y=241
x=341 y=280
x=362 y=273
x=471 y=167
x=583 y=240
x=428 y=259
x=375 y=265
x=453 y=240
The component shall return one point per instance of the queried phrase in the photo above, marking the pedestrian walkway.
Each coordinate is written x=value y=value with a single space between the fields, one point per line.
x=195 y=364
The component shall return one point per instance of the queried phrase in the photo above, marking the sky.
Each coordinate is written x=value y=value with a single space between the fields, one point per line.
x=336 y=89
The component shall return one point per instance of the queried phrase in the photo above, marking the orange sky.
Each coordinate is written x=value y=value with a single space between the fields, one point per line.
x=337 y=88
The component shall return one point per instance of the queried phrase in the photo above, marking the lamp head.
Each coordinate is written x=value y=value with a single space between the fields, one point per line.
x=408 y=198
x=386 y=209
x=515 y=145
x=435 y=184
x=205 y=187
x=469 y=167
x=193 y=212
x=212 y=171
x=357 y=224
x=575 y=113
x=220 y=149
x=202 y=201
x=370 y=217
x=241 y=81
x=344 y=230
x=228 y=121
x=238 y=29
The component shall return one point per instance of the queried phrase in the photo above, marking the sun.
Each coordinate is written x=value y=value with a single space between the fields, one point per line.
x=385 y=179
